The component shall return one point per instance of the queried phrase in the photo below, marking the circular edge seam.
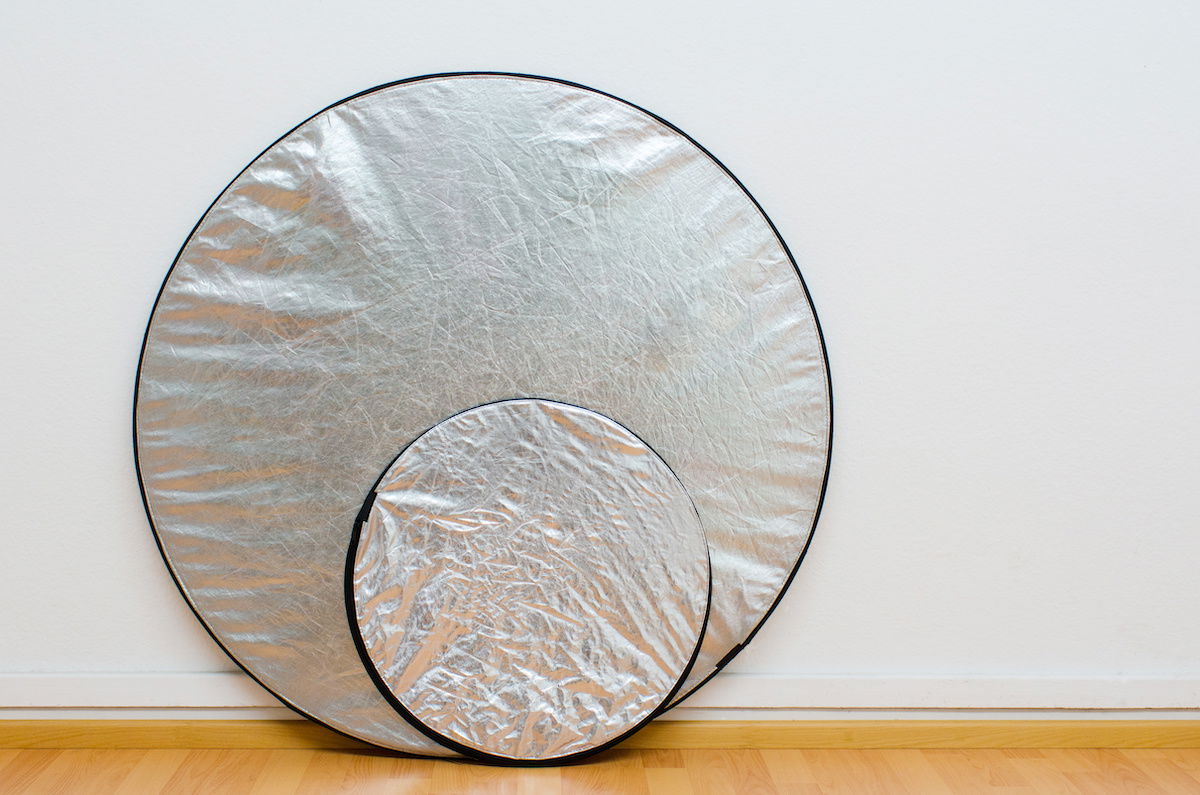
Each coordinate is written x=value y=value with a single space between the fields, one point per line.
x=434 y=76
x=466 y=750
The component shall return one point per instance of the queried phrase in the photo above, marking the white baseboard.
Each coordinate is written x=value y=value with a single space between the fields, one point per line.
x=217 y=689
x=732 y=696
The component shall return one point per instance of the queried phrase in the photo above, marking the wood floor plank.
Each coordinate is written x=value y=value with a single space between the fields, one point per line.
x=618 y=770
x=282 y=772
x=1119 y=771
x=465 y=778
x=1045 y=775
x=729 y=772
x=853 y=771
x=788 y=770
x=1186 y=758
x=1102 y=770
x=446 y=776
x=20 y=773
x=217 y=771
x=1023 y=753
x=665 y=771
x=661 y=757
x=152 y=772
x=86 y=771
x=1090 y=783
x=363 y=771
x=8 y=755
x=1163 y=771
x=913 y=770
x=984 y=769
x=669 y=779
x=540 y=781
x=674 y=772
x=1069 y=760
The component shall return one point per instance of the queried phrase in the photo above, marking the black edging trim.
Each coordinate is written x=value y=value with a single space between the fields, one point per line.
x=466 y=750
x=439 y=75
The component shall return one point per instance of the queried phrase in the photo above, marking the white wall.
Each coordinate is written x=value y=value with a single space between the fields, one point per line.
x=995 y=206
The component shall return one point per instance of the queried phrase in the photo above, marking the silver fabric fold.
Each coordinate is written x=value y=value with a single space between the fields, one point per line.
x=431 y=246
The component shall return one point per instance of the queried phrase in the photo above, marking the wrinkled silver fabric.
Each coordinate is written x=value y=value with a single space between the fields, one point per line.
x=435 y=245
x=531 y=580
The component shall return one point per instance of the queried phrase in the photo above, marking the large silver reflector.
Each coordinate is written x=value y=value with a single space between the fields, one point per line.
x=530 y=582
x=437 y=244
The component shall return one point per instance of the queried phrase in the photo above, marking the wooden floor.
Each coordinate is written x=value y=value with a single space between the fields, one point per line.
x=804 y=772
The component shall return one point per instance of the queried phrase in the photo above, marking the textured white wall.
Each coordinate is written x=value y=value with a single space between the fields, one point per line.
x=995 y=206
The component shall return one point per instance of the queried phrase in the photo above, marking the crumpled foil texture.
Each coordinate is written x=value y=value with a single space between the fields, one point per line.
x=431 y=246
x=531 y=580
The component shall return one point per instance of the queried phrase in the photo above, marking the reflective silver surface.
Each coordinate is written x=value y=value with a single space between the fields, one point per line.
x=531 y=580
x=429 y=247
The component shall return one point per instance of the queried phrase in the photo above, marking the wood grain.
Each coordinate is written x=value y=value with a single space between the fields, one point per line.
x=153 y=770
x=766 y=772
x=678 y=735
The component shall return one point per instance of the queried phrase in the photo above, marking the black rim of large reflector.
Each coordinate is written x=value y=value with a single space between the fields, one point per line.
x=370 y=669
